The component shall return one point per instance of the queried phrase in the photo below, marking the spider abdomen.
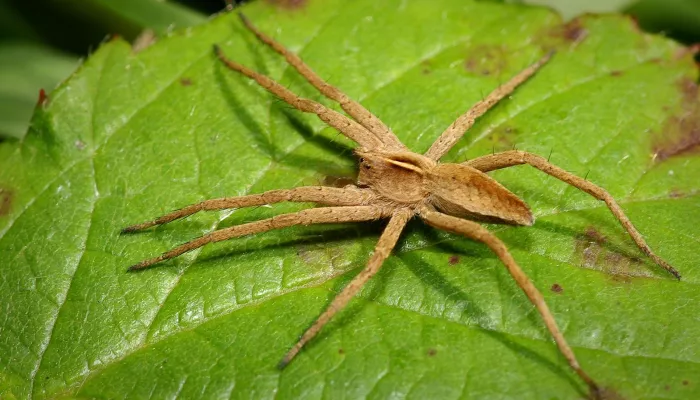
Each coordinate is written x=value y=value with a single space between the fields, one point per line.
x=464 y=191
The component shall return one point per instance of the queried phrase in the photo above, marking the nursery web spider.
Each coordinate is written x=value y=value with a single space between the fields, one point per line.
x=397 y=184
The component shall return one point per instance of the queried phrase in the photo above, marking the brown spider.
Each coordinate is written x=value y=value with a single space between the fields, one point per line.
x=398 y=184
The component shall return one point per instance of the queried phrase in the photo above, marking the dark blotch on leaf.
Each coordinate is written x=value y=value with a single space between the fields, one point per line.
x=43 y=98
x=616 y=73
x=571 y=32
x=185 y=81
x=609 y=394
x=691 y=51
x=565 y=35
x=690 y=90
x=675 y=194
x=556 y=288
x=486 y=60
x=453 y=259
x=574 y=31
x=592 y=252
x=307 y=255
x=6 y=197
x=432 y=352
x=593 y=234
x=341 y=351
x=681 y=133
x=426 y=67
x=621 y=264
x=685 y=383
x=503 y=138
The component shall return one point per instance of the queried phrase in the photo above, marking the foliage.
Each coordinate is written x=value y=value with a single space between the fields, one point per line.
x=132 y=135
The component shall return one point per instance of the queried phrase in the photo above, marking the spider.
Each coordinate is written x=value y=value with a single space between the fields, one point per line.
x=397 y=184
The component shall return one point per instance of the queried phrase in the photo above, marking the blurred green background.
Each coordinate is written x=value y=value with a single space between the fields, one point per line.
x=43 y=41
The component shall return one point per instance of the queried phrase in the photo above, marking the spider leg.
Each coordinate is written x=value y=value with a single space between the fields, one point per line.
x=515 y=157
x=456 y=130
x=386 y=243
x=345 y=125
x=329 y=196
x=477 y=232
x=353 y=108
x=326 y=215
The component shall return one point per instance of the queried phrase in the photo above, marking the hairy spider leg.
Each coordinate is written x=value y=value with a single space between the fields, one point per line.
x=456 y=130
x=345 y=125
x=329 y=196
x=325 y=215
x=353 y=108
x=514 y=157
x=477 y=232
x=384 y=246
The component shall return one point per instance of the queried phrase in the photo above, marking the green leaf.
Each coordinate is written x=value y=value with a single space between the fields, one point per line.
x=131 y=136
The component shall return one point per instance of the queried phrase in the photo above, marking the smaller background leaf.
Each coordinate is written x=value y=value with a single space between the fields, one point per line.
x=25 y=69
x=572 y=8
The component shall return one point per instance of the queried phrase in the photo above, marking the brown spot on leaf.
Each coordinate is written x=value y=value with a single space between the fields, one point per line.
x=307 y=254
x=592 y=252
x=667 y=387
x=694 y=48
x=621 y=263
x=689 y=89
x=593 y=234
x=503 y=138
x=288 y=4
x=681 y=133
x=635 y=22
x=685 y=383
x=426 y=68
x=616 y=73
x=486 y=60
x=43 y=98
x=432 y=352
x=689 y=51
x=556 y=288
x=567 y=35
x=6 y=198
x=185 y=81
x=341 y=351
x=609 y=394
x=675 y=194
x=574 y=31
x=453 y=259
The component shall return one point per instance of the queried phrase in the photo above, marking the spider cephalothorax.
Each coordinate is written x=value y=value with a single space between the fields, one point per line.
x=397 y=184
x=399 y=177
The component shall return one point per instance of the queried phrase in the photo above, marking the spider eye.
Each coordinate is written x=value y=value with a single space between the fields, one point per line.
x=362 y=159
